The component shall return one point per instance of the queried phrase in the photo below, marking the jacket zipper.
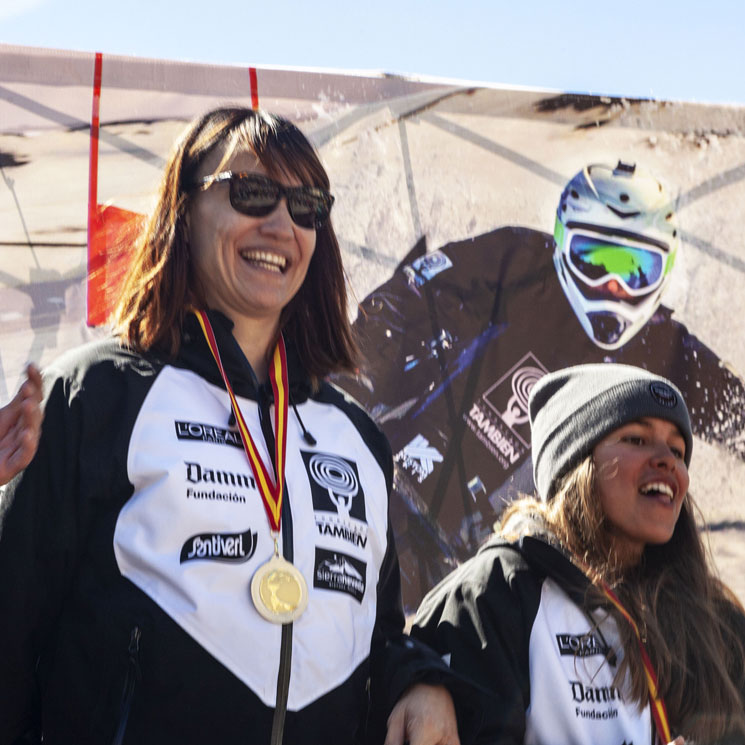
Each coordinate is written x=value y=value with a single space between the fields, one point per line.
x=283 y=686
x=285 y=650
x=133 y=675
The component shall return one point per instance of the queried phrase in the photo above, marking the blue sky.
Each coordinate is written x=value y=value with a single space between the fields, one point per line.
x=683 y=50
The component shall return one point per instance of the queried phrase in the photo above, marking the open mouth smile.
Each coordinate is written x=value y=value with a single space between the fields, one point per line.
x=660 y=490
x=265 y=260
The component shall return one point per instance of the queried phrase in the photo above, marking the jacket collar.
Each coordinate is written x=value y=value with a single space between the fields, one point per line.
x=545 y=554
x=195 y=354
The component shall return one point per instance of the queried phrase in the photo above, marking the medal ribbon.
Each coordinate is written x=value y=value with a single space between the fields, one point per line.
x=659 y=711
x=271 y=490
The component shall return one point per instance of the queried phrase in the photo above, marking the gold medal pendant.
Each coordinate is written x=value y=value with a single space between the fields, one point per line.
x=279 y=591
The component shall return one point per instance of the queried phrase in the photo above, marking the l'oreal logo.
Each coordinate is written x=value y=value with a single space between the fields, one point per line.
x=581 y=645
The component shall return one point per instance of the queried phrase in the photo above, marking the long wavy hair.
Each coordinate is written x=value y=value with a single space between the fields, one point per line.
x=688 y=617
x=162 y=286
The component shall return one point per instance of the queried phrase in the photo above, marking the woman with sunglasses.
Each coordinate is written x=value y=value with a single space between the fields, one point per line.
x=201 y=551
x=592 y=616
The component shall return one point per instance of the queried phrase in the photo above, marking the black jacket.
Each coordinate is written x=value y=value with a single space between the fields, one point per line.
x=517 y=619
x=128 y=546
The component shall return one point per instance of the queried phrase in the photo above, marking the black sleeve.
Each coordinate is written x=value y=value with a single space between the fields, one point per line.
x=398 y=661
x=38 y=538
x=479 y=618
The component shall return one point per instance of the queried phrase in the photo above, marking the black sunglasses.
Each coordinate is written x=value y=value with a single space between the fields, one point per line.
x=257 y=196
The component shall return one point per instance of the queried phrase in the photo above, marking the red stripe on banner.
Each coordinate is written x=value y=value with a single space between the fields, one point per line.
x=112 y=231
x=93 y=162
x=254 y=82
x=112 y=236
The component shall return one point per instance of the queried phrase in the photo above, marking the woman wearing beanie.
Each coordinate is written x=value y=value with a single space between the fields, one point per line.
x=592 y=616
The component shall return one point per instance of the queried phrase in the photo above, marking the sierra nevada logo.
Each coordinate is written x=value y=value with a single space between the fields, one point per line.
x=340 y=573
x=228 y=547
x=419 y=458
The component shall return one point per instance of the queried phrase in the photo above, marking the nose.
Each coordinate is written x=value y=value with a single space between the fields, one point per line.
x=278 y=222
x=662 y=455
x=664 y=459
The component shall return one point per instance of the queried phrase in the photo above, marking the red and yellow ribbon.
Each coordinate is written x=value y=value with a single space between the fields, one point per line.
x=657 y=705
x=271 y=491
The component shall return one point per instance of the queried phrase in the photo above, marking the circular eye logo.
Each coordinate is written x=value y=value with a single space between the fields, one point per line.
x=663 y=394
x=338 y=477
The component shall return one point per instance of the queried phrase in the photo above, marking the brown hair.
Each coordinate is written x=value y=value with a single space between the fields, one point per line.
x=687 y=615
x=163 y=288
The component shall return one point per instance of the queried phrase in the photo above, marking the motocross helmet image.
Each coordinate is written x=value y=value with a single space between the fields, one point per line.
x=615 y=242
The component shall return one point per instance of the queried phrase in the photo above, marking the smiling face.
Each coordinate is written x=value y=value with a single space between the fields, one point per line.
x=642 y=480
x=249 y=267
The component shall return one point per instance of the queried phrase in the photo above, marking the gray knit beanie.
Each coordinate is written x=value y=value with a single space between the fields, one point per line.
x=572 y=409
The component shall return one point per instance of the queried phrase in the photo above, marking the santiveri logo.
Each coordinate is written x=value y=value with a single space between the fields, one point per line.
x=233 y=548
x=208 y=433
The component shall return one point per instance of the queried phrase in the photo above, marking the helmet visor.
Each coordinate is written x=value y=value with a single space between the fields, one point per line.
x=597 y=259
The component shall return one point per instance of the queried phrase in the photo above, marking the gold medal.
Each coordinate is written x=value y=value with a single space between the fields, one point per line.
x=279 y=591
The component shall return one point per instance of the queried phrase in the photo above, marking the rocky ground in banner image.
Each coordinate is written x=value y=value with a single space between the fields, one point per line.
x=455 y=169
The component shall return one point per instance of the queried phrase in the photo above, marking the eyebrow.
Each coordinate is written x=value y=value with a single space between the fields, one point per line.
x=646 y=423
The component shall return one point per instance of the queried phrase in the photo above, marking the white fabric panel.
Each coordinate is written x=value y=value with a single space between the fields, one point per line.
x=573 y=698
x=210 y=598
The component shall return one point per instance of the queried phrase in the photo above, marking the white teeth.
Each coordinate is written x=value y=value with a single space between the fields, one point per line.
x=268 y=260
x=658 y=486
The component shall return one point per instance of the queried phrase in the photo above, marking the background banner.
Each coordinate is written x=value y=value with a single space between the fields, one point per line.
x=477 y=259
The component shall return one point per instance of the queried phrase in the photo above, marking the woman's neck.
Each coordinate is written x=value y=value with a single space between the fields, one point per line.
x=256 y=338
x=626 y=555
